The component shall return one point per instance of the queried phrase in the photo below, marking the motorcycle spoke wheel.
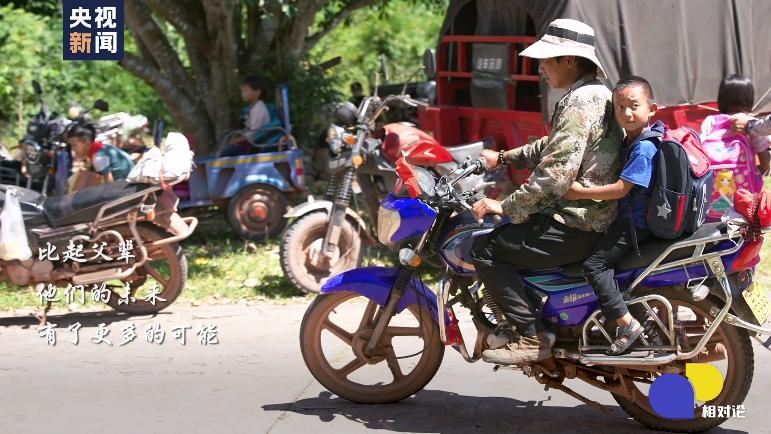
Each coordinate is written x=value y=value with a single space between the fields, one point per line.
x=734 y=361
x=157 y=283
x=303 y=241
x=335 y=333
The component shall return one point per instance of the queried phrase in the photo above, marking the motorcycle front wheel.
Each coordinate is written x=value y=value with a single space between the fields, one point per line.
x=301 y=248
x=336 y=329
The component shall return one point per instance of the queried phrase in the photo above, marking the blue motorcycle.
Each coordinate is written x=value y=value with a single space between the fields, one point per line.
x=377 y=334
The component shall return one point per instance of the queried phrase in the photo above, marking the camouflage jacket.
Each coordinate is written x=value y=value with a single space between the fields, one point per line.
x=583 y=146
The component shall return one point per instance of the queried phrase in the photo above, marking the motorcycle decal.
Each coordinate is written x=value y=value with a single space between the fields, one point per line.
x=555 y=282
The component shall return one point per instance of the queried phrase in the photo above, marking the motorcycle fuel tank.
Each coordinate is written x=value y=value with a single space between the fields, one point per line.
x=420 y=148
x=457 y=242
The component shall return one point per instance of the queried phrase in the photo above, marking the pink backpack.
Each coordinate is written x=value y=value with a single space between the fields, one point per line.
x=732 y=159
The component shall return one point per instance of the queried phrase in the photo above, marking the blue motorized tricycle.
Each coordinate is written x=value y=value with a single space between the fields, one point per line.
x=253 y=187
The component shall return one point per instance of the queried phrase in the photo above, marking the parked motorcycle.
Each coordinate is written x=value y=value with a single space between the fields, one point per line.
x=698 y=307
x=326 y=235
x=46 y=157
x=128 y=237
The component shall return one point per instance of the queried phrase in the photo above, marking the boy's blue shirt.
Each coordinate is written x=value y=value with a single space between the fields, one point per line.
x=638 y=169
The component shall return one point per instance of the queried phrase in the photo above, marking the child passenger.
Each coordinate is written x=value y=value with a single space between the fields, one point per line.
x=633 y=105
x=736 y=97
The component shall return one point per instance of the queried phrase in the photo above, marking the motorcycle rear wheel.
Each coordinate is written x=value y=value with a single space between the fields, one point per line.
x=737 y=378
x=358 y=379
x=305 y=235
x=166 y=266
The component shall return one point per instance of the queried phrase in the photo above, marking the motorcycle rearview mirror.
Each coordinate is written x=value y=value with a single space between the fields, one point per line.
x=384 y=67
x=37 y=87
x=102 y=105
x=429 y=63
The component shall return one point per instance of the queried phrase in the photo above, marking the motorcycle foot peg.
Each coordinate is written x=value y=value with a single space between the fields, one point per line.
x=699 y=292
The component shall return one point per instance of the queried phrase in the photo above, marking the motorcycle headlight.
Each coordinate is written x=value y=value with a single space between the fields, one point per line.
x=31 y=152
x=335 y=138
x=388 y=222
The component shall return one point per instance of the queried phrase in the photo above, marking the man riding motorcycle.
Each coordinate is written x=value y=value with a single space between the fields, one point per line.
x=546 y=230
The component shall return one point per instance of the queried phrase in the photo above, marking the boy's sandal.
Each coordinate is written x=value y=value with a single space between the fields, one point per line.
x=625 y=337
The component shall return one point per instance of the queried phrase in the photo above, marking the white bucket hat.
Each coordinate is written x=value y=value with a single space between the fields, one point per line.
x=565 y=37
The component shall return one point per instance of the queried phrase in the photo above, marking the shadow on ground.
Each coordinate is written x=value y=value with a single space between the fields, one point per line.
x=86 y=319
x=436 y=411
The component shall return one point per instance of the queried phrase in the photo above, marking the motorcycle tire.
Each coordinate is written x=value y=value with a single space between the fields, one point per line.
x=176 y=269
x=307 y=233
x=736 y=383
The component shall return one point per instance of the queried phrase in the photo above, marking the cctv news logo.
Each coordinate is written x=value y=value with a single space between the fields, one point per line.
x=674 y=396
x=93 y=30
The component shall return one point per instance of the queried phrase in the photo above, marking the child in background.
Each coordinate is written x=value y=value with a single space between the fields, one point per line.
x=252 y=92
x=633 y=106
x=736 y=95
x=106 y=160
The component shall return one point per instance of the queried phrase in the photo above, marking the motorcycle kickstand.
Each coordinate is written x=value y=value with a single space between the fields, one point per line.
x=603 y=408
x=43 y=318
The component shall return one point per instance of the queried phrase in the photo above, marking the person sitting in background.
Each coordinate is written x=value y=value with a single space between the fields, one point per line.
x=253 y=89
x=736 y=96
x=260 y=119
x=106 y=160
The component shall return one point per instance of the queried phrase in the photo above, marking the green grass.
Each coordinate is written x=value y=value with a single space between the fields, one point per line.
x=221 y=269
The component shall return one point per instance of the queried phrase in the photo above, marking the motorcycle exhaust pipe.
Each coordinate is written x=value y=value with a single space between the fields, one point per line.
x=101 y=276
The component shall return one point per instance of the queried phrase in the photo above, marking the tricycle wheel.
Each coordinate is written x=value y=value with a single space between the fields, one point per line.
x=257 y=212
x=301 y=246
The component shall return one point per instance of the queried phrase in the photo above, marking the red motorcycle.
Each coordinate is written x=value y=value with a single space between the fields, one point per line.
x=325 y=237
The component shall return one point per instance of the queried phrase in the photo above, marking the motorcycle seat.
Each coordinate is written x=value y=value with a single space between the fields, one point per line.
x=653 y=248
x=83 y=205
x=459 y=153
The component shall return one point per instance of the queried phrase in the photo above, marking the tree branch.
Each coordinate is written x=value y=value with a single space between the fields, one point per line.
x=182 y=108
x=302 y=22
x=180 y=17
x=337 y=19
x=142 y=24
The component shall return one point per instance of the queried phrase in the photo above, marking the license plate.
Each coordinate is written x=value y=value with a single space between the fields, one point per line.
x=757 y=301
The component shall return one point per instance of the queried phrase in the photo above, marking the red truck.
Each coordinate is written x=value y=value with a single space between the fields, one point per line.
x=484 y=89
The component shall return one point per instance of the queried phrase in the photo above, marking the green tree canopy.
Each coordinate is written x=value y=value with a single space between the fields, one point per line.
x=31 y=49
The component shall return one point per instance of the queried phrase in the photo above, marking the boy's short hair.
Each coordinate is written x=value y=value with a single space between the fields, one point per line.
x=634 y=81
x=256 y=83
x=736 y=94
x=83 y=132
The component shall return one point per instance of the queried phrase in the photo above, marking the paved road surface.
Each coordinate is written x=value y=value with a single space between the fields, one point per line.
x=254 y=381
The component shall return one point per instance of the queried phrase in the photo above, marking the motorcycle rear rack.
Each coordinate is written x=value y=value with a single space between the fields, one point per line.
x=98 y=221
x=712 y=260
